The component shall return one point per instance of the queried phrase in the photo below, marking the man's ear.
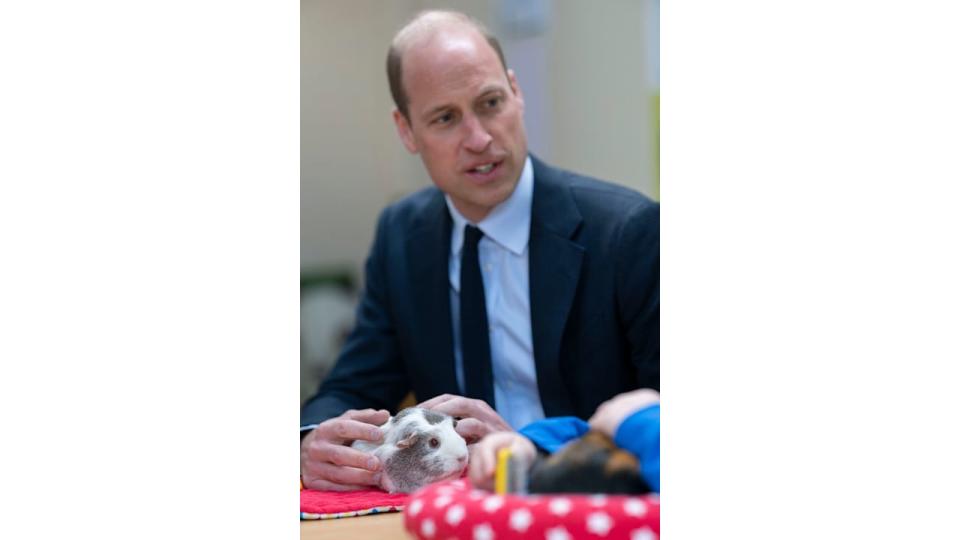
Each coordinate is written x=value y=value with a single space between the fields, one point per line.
x=403 y=129
x=515 y=86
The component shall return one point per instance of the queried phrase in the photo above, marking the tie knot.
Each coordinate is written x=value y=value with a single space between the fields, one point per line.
x=471 y=235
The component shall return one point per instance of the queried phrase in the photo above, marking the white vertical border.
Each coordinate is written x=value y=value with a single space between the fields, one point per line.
x=811 y=297
x=148 y=298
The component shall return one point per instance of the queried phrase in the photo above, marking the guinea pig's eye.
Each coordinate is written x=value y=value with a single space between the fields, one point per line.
x=434 y=442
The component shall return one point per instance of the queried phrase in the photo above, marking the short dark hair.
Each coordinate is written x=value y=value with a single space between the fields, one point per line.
x=398 y=47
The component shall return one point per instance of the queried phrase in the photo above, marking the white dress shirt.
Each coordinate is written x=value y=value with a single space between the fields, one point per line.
x=504 y=263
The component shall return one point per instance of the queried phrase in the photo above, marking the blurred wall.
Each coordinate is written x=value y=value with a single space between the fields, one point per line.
x=585 y=69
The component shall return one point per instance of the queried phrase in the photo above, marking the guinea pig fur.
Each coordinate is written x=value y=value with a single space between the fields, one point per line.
x=419 y=447
x=591 y=464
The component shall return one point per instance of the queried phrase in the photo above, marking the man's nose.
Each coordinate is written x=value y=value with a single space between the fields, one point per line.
x=478 y=138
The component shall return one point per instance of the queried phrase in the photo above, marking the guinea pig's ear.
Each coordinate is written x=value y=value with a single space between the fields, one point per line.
x=409 y=441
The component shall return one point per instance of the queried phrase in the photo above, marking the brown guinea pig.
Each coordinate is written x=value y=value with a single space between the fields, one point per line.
x=419 y=447
x=591 y=464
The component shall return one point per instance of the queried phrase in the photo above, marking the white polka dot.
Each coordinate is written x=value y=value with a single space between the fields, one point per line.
x=455 y=514
x=520 y=520
x=642 y=534
x=415 y=507
x=476 y=495
x=458 y=485
x=598 y=500
x=599 y=523
x=428 y=528
x=441 y=501
x=483 y=532
x=492 y=504
x=560 y=506
x=558 y=533
x=635 y=507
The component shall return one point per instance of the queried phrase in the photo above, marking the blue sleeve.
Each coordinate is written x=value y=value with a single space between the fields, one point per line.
x=640 y=435
x=552 y=433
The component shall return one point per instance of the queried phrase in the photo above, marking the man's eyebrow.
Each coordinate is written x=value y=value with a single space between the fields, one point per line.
x=493 y=88
x=435 y=110
x=484 y=92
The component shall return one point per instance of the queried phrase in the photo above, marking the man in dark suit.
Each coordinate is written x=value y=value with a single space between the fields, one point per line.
x=508 y=292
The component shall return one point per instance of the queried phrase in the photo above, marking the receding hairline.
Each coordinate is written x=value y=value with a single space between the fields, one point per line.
x=427 y=24
x=422 y=29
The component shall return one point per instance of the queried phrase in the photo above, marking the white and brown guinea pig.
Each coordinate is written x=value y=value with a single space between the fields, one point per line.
x=419 y=447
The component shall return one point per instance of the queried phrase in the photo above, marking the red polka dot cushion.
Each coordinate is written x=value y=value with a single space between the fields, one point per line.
x=455 y=510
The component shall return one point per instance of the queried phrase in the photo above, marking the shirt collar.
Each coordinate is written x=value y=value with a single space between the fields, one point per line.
x=508 y=224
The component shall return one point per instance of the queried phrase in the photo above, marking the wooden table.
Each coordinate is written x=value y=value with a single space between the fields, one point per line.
x=371 y=527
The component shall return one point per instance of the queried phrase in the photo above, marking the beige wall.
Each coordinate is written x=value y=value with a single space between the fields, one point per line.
x=601 y=104
x=588 y=108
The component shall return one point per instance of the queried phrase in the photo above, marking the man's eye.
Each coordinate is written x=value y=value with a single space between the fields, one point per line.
x=443 y=119
x=493 y=102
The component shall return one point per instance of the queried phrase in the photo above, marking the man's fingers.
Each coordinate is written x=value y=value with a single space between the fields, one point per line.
x=460 y=407
x=433 y=402
x=345 y=476
x=341 y=429
x=370 y=416
x=326 y=485
x=344 y=455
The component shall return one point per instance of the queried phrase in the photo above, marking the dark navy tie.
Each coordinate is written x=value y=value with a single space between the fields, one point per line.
x=474 y=331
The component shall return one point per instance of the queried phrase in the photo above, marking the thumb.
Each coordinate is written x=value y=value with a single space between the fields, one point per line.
x=472 y=429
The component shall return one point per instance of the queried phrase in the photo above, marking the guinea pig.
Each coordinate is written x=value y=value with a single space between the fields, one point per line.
x=419 y=447
x=591 y=464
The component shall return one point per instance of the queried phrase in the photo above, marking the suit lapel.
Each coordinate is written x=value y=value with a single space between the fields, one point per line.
x=555 y=262
x=429 y=249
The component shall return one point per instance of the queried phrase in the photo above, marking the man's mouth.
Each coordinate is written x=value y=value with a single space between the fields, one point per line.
x=485 y=168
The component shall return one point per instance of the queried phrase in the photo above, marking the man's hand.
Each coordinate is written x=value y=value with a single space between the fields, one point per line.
x=328 y=463
x=477 y=419
x=612 y=412
x=483 y=456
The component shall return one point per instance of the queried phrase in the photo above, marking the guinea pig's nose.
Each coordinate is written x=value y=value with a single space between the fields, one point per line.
x=462 y=459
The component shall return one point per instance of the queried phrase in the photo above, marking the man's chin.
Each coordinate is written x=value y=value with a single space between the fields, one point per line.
x=495 y=193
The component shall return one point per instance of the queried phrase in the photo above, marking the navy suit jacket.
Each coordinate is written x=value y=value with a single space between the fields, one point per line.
x=594 y=301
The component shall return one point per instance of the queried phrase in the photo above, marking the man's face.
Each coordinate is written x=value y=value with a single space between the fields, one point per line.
x=466 y=120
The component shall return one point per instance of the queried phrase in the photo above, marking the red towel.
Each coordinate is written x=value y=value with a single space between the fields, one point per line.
x=334 y=504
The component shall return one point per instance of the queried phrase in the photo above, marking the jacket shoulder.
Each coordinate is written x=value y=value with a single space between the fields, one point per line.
x=410 y=211
x=591 y=194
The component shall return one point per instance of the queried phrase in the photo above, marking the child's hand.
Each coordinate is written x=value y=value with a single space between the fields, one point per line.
x=483 y=455
x=612 y=412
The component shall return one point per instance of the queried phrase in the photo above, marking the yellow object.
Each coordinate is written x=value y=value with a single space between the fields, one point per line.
x=503 y=471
